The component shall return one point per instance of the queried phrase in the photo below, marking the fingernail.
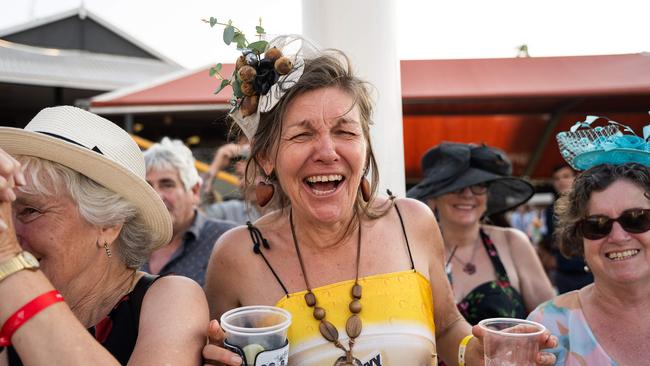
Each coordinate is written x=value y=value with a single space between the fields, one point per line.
x=3 y=225
x=12 y=195
x=236 y=360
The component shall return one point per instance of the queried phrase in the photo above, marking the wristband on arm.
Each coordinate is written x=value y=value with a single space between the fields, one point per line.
x=462 y=347
x=28 y=311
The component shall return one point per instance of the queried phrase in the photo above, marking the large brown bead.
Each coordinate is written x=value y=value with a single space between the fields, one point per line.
x=247 y=73
x=310 y=299
x=353 y=326
x=355 y=306
x=241 y=61
x=273 y=54
x=283 y=65
x=249 y=105
x=319 y=313
x=247 y=89
x=328 y=330
x=356 y=291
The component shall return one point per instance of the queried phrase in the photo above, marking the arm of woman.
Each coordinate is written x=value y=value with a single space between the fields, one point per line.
x=451 y=327
x=173 y=323
x=221 y=281
x=534 y=284
x=220 y=288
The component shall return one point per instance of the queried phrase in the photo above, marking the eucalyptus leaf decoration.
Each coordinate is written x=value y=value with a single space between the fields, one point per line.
x=232 y=34
x=257 y=76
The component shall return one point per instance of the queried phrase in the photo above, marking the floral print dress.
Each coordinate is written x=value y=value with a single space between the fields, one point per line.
x=493 y=299
x=577 y=346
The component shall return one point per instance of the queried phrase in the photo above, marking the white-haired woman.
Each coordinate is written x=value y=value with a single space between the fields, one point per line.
x=84 y=213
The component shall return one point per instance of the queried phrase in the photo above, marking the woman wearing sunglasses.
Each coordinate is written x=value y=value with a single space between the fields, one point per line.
x=605 y=218
x=494 y=271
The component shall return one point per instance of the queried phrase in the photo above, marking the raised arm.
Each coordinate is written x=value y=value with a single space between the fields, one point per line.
x=53 y=336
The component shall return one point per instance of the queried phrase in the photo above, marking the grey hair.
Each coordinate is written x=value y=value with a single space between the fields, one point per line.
x=173 y=154
x=98 y=205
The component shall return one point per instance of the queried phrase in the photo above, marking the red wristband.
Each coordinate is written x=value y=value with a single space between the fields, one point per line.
x=22 y=315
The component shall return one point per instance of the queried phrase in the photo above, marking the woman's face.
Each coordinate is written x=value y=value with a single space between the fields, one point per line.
x=620 y=257
x=462 y=207
x=51 y=228
x=321 y=154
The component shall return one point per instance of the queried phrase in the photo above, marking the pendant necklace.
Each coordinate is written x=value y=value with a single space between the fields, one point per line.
x=327 y=329
x=468 y=267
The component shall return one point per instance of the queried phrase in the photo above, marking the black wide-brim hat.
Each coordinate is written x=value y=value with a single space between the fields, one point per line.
x=450 y=167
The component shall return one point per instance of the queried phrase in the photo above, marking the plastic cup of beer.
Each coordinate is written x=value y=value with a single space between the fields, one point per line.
x=254 y=329
x=510 y=342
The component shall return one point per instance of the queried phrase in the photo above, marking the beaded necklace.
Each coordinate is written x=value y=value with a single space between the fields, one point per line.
x=327 y=329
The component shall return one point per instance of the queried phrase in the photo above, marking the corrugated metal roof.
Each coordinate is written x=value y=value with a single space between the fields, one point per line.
x=23 y=64
x=83 y=13
x=526 y=77
x=426 y=81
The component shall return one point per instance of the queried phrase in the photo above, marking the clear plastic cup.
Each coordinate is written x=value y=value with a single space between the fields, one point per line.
x=256 y=328
x=510 y=342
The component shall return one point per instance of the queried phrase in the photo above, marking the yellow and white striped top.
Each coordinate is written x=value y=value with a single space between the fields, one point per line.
x=397 y=316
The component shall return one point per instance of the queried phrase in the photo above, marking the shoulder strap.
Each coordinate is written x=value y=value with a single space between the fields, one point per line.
x=258 y=240
x=408 y=247
x=492 y=252
x=14 y=359
x=137 y=295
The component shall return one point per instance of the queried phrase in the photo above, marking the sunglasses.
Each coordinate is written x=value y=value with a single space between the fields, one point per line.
x=477 y=189
x=596 y=227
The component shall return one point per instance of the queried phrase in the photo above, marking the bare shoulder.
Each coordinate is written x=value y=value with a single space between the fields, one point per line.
x=415 y=211
x=171 y=289
x=514 y=237
x=172 y=323
x=231 y=246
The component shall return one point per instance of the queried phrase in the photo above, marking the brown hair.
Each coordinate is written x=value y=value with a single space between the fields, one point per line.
x=330 y=69
x=572 y=207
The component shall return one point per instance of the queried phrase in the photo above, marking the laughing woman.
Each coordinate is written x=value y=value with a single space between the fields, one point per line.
x=367 y=271
x=84 y=220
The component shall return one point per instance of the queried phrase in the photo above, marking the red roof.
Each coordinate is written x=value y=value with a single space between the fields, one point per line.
x=526 y=77
x=193 y=87
x=441 y=80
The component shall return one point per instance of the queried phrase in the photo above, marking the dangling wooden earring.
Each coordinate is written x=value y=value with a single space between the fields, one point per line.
x=264 y=191
x=365 y=189
x=108 y=250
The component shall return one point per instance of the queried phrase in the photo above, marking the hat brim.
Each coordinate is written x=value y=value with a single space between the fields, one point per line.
x=425 y=190
x=505 y=193
x=98 y=168
x=616 y=156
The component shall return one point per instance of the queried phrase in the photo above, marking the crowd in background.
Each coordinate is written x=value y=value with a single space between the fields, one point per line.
x=112 y=243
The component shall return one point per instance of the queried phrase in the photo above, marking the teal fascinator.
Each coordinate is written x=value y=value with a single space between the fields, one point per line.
x=585 y=146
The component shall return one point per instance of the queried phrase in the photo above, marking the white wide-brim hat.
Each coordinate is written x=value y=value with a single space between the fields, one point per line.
x=98 y=149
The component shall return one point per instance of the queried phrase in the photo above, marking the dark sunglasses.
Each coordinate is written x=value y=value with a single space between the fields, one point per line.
x=477 y=189
x=596 y=227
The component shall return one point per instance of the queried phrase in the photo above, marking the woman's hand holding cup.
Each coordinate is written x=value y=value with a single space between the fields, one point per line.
x=214 y=352
x=514 y=339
